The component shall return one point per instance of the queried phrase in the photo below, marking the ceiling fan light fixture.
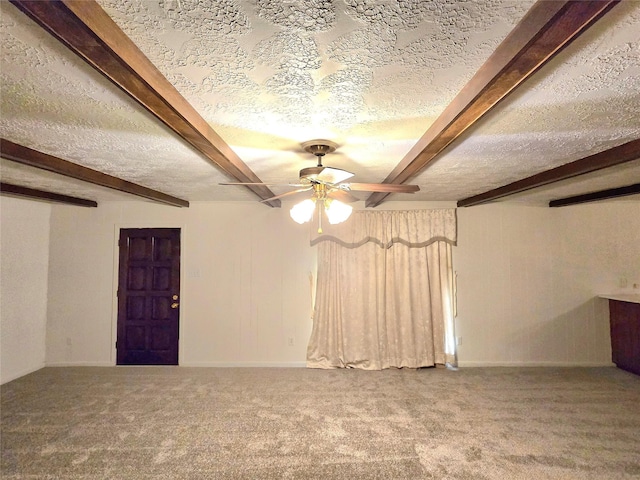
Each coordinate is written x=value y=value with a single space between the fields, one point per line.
x=337 y=212
x=303 y=212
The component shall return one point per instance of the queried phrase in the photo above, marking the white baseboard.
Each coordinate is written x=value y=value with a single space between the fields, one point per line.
x=245 y=364
x=186 y=364
x=79 y=364
x=472 y=363
x=22 y=373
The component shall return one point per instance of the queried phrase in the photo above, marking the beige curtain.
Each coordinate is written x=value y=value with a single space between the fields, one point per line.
x=383 y=295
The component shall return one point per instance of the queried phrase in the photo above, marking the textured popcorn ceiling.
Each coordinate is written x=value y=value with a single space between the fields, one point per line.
x=369 y=75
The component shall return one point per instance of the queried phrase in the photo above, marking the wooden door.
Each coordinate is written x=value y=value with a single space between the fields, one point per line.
x=148 y=296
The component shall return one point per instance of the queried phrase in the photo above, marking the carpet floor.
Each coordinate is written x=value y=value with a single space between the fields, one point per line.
x=294 y=423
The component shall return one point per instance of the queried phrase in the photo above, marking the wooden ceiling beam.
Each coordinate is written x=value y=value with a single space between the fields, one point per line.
x=548 y=27
x=597 y=196
x=86 y=29
x=609 y=158
x=35 y=194
x=27 y=156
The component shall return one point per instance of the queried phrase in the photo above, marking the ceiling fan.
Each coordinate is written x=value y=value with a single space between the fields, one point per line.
x=328 y=188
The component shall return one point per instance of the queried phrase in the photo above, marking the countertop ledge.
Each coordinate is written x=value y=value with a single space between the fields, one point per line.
x=622 y=297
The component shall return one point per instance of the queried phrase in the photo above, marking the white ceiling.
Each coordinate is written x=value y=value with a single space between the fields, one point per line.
x=369 y=75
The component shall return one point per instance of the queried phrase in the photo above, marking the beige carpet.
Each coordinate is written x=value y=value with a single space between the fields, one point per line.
x=188 y=423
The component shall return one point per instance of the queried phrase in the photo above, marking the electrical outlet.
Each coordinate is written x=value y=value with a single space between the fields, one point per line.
x=458 y=341
x=291 y=341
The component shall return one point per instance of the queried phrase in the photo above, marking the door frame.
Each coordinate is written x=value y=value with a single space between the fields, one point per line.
x=115 y=280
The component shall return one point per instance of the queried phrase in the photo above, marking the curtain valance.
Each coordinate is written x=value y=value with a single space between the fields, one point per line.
x=415 y=228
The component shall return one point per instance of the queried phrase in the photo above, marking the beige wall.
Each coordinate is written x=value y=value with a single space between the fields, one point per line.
x=245 y=291
x=528 y=280
x=245 y=282
x=24 y=258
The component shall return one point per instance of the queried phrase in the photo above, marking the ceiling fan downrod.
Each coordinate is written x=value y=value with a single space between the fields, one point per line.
x=319 y=148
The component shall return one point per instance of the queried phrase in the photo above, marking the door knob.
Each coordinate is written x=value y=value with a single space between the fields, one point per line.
x=174 y=305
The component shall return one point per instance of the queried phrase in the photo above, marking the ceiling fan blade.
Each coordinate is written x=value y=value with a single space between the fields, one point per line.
x=381 y=187
x=343 y=196
x=243 y=183
x=333 y=175
x=266 y=184
x=293 y=192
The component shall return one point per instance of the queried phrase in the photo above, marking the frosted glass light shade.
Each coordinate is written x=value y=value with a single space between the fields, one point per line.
x=337 y=212
x=303 y=212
